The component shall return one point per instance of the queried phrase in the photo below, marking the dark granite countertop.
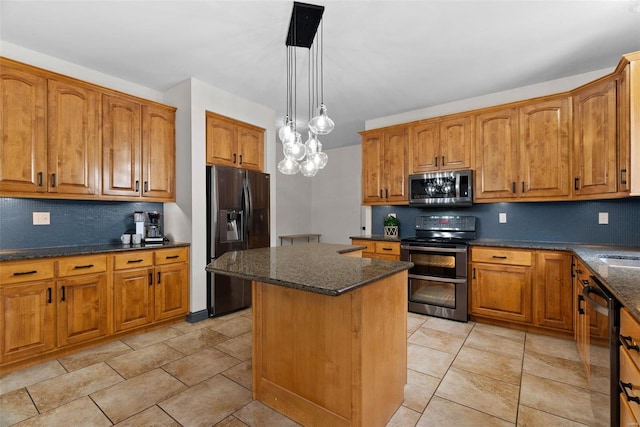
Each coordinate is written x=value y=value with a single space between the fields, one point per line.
x=313 y=267
x=58 y=251
x=623 y=282
x=379 y=237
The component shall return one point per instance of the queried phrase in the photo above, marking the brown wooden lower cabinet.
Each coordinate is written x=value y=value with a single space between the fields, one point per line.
x=49 y=307
x=331 y=360
x=28 y=316
x=379 y=249
x=133 y=298
x=531 y=288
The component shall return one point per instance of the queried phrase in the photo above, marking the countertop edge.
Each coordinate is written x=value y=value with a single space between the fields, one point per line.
x=62 y=251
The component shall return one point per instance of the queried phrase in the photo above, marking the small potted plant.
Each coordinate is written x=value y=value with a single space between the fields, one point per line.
x=391 y=224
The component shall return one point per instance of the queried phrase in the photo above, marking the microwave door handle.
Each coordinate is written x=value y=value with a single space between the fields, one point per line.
x=457 y=186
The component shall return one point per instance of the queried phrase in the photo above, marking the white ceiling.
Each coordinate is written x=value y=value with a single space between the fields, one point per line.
x=381 y=57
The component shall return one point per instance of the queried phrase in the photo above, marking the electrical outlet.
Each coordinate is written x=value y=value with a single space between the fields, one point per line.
x=603 y=217
x=41 y=218
x=392 y=214
x=502 y=218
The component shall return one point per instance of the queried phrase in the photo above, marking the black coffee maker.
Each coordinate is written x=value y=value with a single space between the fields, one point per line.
x=154 y=231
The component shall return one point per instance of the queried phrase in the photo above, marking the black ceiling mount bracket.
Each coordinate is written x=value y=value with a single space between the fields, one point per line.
x=305 y=19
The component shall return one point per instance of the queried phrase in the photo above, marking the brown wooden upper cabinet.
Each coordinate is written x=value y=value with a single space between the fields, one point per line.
x=23 y=151
x=234 y=143
x=138 y=149
x=594 y=145
x=385 y=166
x=441 y=144
x=51 y=128
x=49 y=134
x=523 y=152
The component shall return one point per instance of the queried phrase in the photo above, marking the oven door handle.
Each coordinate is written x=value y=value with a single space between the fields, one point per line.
x=433 y=249
x=436 y=279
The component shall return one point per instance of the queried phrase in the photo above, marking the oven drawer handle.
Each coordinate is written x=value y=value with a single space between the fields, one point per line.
x=629 y=343
x=624 y=386
x=434 y=249
x=436 y=279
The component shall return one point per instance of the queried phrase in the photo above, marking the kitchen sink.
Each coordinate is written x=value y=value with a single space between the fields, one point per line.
x=621 y=260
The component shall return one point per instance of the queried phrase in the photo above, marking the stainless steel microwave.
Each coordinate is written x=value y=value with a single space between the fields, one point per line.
x=445 y=188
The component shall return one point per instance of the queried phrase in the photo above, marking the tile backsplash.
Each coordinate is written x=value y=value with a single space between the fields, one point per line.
x=72 y=222
x=571 y=221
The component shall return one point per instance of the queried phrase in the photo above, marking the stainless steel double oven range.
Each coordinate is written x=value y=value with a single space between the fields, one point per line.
x=438 y=280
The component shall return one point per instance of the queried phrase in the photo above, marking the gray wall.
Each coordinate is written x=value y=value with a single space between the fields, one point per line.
x=73 y=222
x=575 y=222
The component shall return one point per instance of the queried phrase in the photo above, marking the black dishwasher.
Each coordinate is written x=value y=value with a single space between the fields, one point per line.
x=605 y=305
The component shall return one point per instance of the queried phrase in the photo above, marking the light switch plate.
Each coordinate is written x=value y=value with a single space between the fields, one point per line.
x=502 y=218
x=603 y=217
x=41 y=218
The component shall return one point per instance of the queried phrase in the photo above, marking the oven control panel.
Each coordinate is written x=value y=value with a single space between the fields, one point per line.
x=446 y=223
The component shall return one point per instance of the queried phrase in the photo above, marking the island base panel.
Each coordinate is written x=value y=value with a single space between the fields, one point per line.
x=331 y=360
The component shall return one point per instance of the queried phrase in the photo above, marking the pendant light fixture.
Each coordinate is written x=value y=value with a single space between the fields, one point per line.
x=307 y=158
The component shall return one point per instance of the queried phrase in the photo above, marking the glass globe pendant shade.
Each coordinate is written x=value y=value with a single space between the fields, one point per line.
x=287 y=132
x=320 y=159
x=321 y=124
x=288 y=166
x=309 y=168
x=311 y=144
x=295 y=150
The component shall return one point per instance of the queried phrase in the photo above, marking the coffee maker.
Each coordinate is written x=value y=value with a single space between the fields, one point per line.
x=154 y=232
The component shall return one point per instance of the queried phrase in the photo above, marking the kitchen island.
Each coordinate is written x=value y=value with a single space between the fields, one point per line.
x=329 y=331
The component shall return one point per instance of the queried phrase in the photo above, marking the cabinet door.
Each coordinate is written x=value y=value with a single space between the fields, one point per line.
x=372 y=162
x=496 y=154
x=221 y=141
x=594 y=145
x=553 y=291
x=425 y=147
x=27 y=319
x=250 y=148
x=624 y=128
x=121 y=146
x=501 y=292
x=395 y=164
x=23 y=148
x=72 y=138
x=133 y=298
x=82 y=308
x=455 y=143
x=158 y=152
x=172 y=291
x=544 y=149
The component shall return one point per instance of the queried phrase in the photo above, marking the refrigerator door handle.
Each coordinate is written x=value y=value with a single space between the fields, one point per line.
x=248 y=203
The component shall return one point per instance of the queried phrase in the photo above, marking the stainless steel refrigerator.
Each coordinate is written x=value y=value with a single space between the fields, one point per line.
x=237 y=219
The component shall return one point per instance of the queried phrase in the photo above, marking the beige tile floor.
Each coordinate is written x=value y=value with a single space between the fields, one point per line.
x=462 y=374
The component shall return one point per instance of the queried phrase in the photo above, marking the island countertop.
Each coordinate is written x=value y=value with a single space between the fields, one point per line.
x=315 y=267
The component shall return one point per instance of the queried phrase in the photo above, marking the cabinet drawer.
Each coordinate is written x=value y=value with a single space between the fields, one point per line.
x=501 y=256
x=133 y=260
x=370 y=245
x=630 y=330
x=387 y=248
x=26 y=271
x=629 y=374
x=626 y=415
x=74 y=266
x=169 y=256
